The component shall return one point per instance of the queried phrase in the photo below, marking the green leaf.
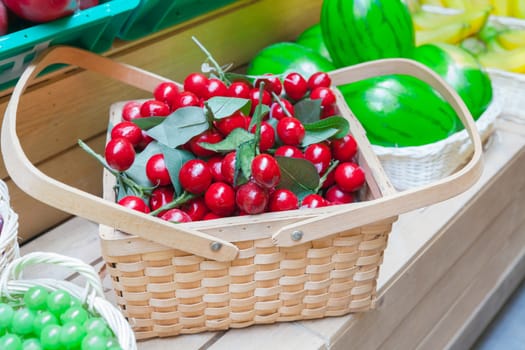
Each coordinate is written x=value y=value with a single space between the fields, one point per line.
x=231 y=143
x=137 y=171
x=258 y=115
x=316 y=136
x=222 y=107
x=243 y=162
x=148 y=122
x=180 y=126
x=175 y=159
x=298 y=175
x=308 y=111
x=334 y=122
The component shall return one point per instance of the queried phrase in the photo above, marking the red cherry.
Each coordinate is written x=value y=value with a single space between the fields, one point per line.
x=239 y=89
x=186 y=99
x=154 y=108
x=295 y=86
x=336 y=195
x=220 y=198
x=196 y=83
x=272 y=83
x=119 y=154
x=135 y=203
x=265 y=170
x=277 y=112
x=344 y=149
x=196 y=208
x=209 y=136
x=313 y=201
x=129 y=131
x=267 y=139
x=146 y=139
x=215 y=165
x=131 y=110
x=161 y=196
x=325 y=94
x=195 y=176
x=289 y=151
x=211 y=216
x=283 y=199
x=228 y=124
x=290 y=131
x=228 y=167
x=254 y=97
x=166 y=92
x=215 y=87
x=319 y=79
x=175 y=215
x=327 y=111
x=251 y=198
x=320 y=155
x=349 y=176
x=156 y=170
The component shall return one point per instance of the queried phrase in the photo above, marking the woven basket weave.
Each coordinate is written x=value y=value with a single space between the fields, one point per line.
x=238 y=271
x=13 y=286
x=9 y=249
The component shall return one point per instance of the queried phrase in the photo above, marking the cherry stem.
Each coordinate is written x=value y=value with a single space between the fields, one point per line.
x=219 y=69
x=325 y=175
x=139 y=190
x=177 y=202
x=281 y=104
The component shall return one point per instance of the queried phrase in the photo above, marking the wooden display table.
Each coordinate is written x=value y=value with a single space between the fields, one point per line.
x=446 y=272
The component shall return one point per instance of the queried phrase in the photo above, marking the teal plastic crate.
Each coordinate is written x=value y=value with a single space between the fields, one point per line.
x=154 y=15
x=92 y=29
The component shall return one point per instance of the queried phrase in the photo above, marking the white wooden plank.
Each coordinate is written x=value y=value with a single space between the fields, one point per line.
x=474 y=264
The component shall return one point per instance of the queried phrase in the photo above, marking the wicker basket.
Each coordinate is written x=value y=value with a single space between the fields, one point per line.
x=9 y=249
x=410 y=167
x=12 y=286
x=240 y=271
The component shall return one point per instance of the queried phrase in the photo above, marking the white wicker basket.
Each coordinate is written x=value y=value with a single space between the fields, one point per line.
x=13 y=286
x=9 y=249
x=409 y=167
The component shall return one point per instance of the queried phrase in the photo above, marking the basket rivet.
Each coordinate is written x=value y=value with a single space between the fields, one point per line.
x=215 y=246
x=297 y=235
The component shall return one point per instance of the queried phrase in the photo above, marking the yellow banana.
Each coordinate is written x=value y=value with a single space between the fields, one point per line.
x=432 y=2
x=517 y=8
x=431 y=20
x=452 y=33
x=413 y=5
x=457 y=4
x=501 y=7
x=509 y=60
x=479 y=4
x=512 y=39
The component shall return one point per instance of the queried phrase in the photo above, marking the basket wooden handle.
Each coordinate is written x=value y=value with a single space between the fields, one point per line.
x=77 y=202
x=393 y=203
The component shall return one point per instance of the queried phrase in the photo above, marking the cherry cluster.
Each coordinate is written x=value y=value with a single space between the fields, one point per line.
x=218 y=182
x=43 y=319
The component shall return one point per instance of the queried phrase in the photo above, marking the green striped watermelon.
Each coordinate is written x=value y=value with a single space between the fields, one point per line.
x=400 y=111
x=357 y=31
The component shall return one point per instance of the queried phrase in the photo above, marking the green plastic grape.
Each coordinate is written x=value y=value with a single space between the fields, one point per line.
x=50 y=337
x=94 y=342
x=22 y=323
x=75 y=302
x=74 y=314
x=71 y=335
x=113 y=343
x=36 y=298
x=31 y=344
x=10 y=342
x=6 y=315
x=58 y=301
x=97 y=325
x=43 y=319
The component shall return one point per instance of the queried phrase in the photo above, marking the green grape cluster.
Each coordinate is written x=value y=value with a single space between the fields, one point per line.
x=52 y=320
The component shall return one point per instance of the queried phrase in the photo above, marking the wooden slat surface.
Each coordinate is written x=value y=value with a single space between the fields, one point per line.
x=458 y=250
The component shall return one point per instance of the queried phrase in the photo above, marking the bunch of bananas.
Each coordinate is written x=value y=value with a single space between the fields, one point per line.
x=510 y=8
x=471 y=26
